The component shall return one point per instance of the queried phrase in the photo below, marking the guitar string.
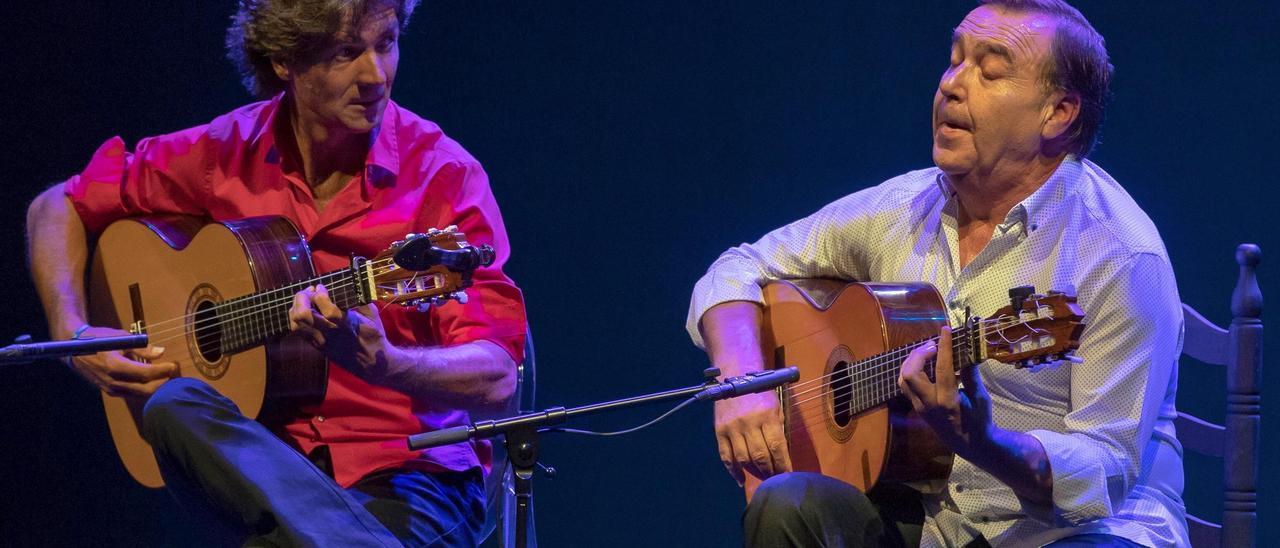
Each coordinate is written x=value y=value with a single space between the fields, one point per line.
x=868 y=397
x=1000 y=325
x=224 y=319
x=871 y=392
x=874 y=368
x=252 y=332
x=247 y=310
x=811 y=421
x=225 y=326
x=378 y=265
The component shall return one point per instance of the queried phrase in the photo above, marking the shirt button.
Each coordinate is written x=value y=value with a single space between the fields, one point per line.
x=319 y=418
x=985 y=519
x=959 y=488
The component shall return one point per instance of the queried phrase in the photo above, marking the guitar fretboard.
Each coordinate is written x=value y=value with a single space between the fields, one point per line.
x=873 y=381
x=249 y=321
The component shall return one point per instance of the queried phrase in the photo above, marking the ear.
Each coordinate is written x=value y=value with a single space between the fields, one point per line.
x=282 y=72
x=1061 y=111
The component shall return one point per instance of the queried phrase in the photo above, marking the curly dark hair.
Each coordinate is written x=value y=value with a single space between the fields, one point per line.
x=292 y=32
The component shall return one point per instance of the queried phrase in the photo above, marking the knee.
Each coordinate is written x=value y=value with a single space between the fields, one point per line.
x=804 y=498
x=172 y=404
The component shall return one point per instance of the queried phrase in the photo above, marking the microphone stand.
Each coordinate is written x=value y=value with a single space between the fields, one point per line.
x=24 y=351
x=521 y=438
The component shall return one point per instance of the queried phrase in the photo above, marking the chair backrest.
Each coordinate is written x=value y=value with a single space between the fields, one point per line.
x=499 y=486
x=1239 y=348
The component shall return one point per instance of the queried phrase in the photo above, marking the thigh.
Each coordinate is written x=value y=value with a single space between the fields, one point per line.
x=1094 y=539
x=425 y=509
x=806 y=509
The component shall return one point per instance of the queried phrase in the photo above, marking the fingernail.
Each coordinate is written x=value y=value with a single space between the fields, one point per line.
x=158 y=349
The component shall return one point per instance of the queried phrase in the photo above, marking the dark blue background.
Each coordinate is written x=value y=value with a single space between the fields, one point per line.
x=629 y=143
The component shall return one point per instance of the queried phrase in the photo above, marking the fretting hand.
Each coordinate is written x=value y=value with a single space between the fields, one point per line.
x=355 y=339
x=961 y=415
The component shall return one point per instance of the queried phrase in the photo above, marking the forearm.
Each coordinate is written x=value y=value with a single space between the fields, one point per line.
x=477 y=376
x=731 y=331
x=57 y=251
x=1018 y=460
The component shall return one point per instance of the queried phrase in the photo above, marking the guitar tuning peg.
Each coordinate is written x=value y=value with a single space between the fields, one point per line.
x=423 y=306
x=1072 y=358
x=460 y=296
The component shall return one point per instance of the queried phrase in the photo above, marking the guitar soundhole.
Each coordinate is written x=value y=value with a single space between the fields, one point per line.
x=208 y=332
x=841 y=394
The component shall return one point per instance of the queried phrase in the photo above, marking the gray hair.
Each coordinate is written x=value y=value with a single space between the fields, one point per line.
x=1080 y=65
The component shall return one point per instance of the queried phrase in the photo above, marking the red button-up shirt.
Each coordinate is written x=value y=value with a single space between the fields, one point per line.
x=415 y=178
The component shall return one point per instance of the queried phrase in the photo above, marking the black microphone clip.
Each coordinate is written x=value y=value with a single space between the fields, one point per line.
x=750 y=383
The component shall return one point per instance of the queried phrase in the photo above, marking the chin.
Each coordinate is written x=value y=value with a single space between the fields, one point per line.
x=952 y=162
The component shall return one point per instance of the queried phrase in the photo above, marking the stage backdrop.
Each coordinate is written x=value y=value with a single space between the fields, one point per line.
x=628 y=144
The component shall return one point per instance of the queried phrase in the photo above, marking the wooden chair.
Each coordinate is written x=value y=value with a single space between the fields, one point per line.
x=1239 y=348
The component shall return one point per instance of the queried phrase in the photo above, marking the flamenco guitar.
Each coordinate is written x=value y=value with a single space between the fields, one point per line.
x=217 y=297
x=845 y=416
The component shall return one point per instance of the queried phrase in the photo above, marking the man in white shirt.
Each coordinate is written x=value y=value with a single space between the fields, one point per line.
x=1079 y=455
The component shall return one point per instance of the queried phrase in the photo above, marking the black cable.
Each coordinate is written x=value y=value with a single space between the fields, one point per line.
x=627 y=431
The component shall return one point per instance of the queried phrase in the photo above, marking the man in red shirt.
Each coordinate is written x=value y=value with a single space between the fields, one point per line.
x=354 y=172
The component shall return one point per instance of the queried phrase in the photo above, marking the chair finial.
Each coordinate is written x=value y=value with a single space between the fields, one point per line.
x=1246 y=300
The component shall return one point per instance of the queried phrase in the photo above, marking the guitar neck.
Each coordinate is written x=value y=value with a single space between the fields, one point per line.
x=254 y=319
x=873 y=381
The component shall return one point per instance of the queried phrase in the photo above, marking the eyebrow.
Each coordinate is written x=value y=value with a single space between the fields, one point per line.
x=985 y=46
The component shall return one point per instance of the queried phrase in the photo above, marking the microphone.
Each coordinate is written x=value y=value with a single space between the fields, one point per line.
x=750 y=383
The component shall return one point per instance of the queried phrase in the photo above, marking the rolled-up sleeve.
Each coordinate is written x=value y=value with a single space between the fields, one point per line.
x=494 y=310
x=1129 y=348
x=165 y=174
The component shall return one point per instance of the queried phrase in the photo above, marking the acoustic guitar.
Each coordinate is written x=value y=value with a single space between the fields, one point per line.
x=845 y=417
x=216 y=296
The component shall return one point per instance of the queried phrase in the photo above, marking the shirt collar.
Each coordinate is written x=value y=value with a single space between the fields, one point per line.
x=382 y=164
x=1034 y=210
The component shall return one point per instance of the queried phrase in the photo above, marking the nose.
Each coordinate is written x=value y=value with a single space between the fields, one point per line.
x=949 y=86
x=372 y=72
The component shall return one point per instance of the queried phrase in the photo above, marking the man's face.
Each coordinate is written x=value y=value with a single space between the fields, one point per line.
x=347 y=87
x=991 y=104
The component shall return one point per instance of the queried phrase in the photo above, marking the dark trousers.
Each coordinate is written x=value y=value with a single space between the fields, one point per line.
x=806 y=509
x=227 y=467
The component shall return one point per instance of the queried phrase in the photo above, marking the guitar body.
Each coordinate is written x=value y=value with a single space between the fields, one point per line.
x=158 y=273
x=823 y=327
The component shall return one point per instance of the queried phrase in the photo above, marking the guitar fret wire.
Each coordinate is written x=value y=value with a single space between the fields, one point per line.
x=386 y=266
x=960 y=333
x=880 y=379
x=286 y=292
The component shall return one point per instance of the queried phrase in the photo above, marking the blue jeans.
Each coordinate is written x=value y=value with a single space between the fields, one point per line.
x=221 y=464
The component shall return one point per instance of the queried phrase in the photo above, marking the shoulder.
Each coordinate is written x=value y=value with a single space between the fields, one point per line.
x=914 y=193
x=1111 y=209
x=417 y=137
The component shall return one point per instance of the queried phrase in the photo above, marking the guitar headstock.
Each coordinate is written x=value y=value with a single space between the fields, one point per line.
x=1044 y=329
x=429 y=268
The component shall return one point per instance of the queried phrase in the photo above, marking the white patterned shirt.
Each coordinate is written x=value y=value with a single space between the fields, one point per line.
x=1106 y=424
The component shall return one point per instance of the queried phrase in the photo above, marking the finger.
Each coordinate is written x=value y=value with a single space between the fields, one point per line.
x=758 y=450
x=311 y=334
x=726 y=457
x=133 y=390
x=148 y=353
x=909 y=393
x=776 y=442
x=913 y=374
x=122 y=369
x=367 y=311
x=972 y=379
x=328 y=311
x=741 y=460
x=300 y=314
x=944 y=371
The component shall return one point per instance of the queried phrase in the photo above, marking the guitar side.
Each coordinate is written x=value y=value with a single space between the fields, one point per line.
x=161 y=270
